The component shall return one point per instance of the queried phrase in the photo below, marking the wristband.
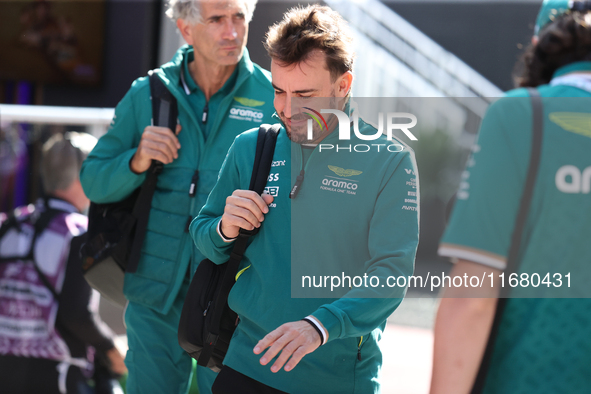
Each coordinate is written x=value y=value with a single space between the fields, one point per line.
x=318 y=330
x=221 y=233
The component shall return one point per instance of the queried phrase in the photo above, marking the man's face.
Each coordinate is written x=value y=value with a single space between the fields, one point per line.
x=222 y=36
x=307 y=79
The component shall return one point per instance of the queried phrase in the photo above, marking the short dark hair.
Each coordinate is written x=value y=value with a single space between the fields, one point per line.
x=304 y=30
x=564 y=41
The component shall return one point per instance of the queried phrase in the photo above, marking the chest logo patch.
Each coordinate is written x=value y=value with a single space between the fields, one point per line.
x=249 y=102
x=342 y=172
x=575 y=122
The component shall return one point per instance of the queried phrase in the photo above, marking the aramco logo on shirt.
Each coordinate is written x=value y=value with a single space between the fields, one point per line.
x=344 y=124
x=246 y=110
x=342 y=182
x=569 y=179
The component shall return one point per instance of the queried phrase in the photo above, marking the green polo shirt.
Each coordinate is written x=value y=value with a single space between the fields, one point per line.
x=543 y=344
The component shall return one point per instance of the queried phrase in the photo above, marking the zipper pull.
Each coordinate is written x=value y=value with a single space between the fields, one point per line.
x=205 y=110
x=206 y=309
x=358 y=352
x=193 y=188
x=296 y=187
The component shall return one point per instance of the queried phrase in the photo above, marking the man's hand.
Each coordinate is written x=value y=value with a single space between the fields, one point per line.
x=293 y=340
x=244 y=209
x=116 y=360
x=157 y=143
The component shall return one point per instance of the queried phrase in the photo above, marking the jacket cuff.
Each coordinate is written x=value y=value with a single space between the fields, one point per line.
x=331 y=323
x=318 y=326
x=216 y=237
x=126 y=160
x=221 y=234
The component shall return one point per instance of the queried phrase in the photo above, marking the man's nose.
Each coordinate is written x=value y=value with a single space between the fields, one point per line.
x=287 y=109
x=230 y=32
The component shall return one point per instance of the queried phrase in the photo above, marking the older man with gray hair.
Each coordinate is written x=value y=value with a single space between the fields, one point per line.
x=220 y=93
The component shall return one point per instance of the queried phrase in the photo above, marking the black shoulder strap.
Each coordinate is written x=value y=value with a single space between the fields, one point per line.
x=164 y=105
x=42 y=222
x=9 y=223
x=513 y=255
x=164 y=114
x=39 y=225
x=266 y=141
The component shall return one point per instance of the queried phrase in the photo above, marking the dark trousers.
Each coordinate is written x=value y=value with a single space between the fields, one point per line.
x=230 y=381
x=26 y=375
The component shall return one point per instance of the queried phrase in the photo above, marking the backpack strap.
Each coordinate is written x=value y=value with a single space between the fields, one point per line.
x=266 y=142
x=39 y=225
x=164 y=114
x=9 y=223
x=513 y=256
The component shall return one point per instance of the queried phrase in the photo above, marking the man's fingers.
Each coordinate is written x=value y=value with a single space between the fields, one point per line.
x=165 y=138
x=296 y=357
x=248 y=204
x=276 y=347
x=237 y=222
x=154 y=154
x=268 y=340
x=286 y=353
x=244 y=209
x=178 y=130
x=267 y=198
x=156 y=146
x=163 y=133
x=235 y=216
x=254 y=197
x=294 y=340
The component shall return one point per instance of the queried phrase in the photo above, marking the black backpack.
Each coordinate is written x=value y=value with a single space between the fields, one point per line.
x=21 y=282
x=207 y=323
x=116 y=231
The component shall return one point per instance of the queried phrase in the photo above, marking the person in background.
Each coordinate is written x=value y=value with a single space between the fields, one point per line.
x=542 y=344
x=220 y=93
x=49 y=323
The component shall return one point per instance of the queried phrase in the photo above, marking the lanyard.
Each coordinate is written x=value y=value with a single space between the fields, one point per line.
x=581 y=81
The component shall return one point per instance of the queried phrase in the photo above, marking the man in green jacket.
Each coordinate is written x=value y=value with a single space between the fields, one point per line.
x=347 y=214
x=220 y=93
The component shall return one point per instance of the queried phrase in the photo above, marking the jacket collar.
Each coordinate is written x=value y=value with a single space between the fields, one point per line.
x=572 y=68
x=170 y=73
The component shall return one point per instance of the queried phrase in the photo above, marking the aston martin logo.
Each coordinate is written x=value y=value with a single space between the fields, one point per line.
x=249 y=102
x=575 y=122
x=342 y=172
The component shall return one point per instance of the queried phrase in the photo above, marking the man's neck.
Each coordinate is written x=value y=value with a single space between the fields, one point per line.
x=210 y=77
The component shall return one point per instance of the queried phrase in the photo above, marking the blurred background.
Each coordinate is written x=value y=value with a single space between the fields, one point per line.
x=64 y=65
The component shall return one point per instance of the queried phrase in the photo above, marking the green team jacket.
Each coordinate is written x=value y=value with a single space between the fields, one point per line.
x=355 y=214
x=106 y=176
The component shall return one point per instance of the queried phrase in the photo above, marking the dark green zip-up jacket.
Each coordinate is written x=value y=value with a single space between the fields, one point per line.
x=106 y=177
x=356 y=214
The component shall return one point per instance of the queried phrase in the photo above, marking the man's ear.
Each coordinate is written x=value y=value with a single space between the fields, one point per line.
x=344 y=84
x=185 y=30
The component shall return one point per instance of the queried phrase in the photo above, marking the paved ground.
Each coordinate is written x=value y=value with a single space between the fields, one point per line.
x=408 y=352
x=407 y=346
